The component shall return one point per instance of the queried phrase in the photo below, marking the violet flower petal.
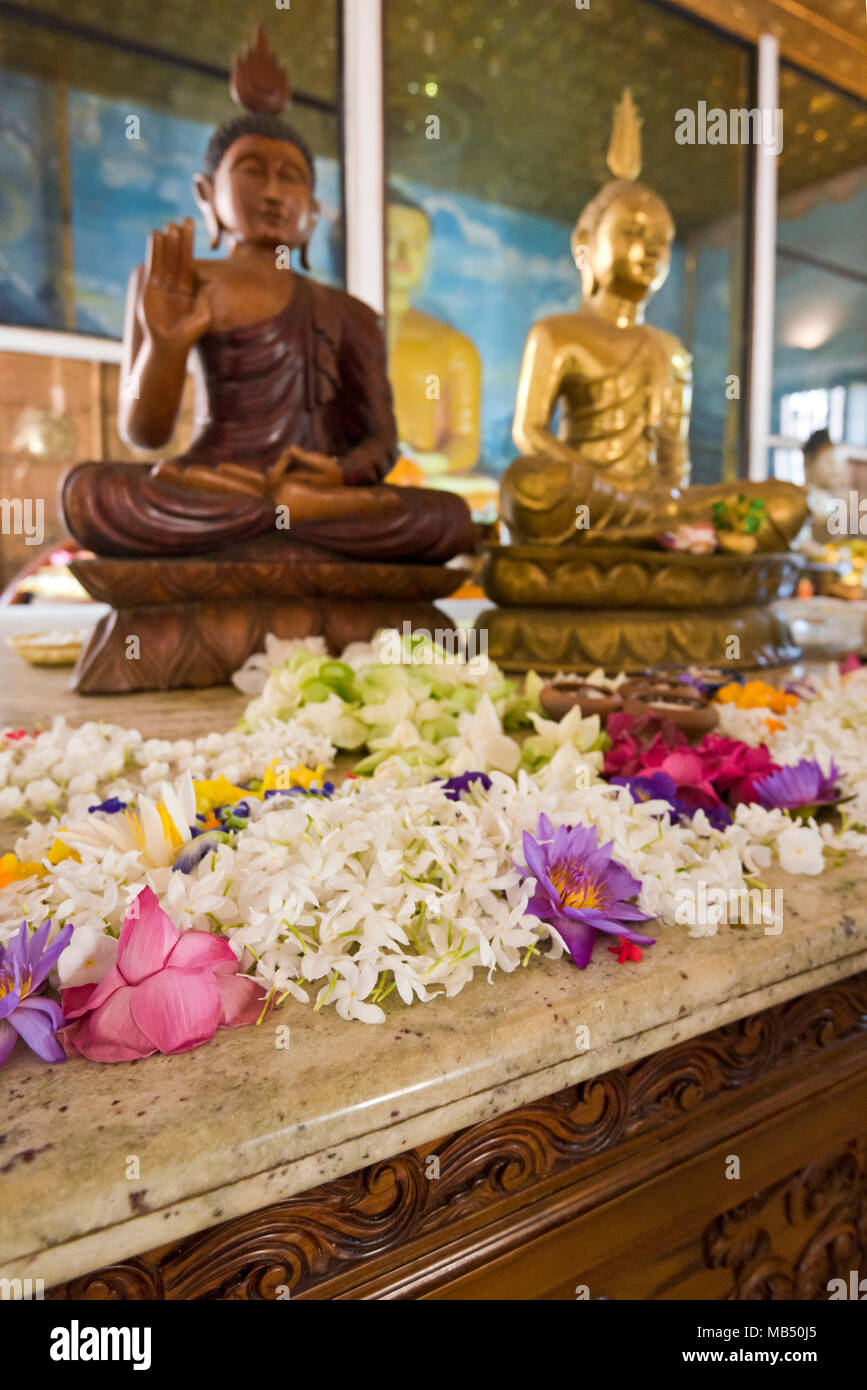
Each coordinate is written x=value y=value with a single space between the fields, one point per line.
x=8 y=1039
x=37 y=1020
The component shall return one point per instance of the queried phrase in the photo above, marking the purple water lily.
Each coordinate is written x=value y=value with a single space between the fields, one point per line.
x=24 y=966
x=580 y=889
x=656 y=787
x=454 y=787
x=799 y=787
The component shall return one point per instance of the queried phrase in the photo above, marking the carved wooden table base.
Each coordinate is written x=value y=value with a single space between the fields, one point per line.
x=731 y=1166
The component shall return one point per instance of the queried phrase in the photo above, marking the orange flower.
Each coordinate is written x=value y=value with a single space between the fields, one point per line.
x=774 y=725
x=756 y=695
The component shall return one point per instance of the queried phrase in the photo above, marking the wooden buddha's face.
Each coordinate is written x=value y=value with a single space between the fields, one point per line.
x=627 y=251
x=261 y=194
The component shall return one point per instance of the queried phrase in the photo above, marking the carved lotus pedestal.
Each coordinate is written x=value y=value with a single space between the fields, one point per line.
x=625 y=609
x=192 y=621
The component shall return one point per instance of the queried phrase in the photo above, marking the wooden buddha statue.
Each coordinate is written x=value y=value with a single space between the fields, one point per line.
x=294 y=410
x=622 y=391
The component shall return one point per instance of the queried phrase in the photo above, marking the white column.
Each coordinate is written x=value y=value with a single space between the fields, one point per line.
x=364 y=150
x=764 y=265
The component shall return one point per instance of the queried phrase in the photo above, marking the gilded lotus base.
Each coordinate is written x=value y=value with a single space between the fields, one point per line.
x=622 y=577
x=549 y=640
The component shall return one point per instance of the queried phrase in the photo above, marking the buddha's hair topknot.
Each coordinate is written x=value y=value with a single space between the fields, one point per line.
x=261 y=86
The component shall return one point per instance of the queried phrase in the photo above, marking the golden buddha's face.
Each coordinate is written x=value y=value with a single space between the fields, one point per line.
x=261 y=193
x=629 y=248
x=408 y=246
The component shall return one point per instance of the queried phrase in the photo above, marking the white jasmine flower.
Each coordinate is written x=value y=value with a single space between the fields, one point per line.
x=89 y=955
x=800 y=850
x=482 y=746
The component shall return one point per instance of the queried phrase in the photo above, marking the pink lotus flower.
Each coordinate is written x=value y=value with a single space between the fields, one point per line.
x=167 y=992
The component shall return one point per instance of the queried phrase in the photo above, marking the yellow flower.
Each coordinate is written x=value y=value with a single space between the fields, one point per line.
x=283 y=779
x=12 y=869
x=59 y=851
x=218 y=792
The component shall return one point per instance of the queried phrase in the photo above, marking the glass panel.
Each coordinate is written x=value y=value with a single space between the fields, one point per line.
x=820 y=344
x=499 y=120
x=99 y=144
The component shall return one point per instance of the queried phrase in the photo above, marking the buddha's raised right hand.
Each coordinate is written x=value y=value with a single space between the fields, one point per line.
x=174 y=306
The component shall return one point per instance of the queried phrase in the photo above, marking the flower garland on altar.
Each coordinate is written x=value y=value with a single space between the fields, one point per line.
x=195 y=884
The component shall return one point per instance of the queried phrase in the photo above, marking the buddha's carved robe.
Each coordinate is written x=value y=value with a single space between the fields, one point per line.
x=312 y=376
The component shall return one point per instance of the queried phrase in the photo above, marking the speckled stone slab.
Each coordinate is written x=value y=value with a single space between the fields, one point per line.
x=240 y=1123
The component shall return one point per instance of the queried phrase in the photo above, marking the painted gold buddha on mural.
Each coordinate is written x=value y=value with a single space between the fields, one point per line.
x=603 y=405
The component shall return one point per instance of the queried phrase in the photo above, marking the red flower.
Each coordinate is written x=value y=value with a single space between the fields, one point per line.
x=626 y=951
x=15 y=733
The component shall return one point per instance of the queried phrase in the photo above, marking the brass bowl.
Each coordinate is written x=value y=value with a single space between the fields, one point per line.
x=33 y=648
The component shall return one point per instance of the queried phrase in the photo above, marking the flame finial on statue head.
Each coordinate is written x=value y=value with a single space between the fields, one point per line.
x=258 y=82
x=624 y=151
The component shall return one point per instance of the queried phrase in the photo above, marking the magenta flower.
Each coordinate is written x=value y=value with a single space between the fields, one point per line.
x=689 y=773
x=735 y=768
x=168 y=992
x=24 y=967
x=580 y=889
x=801 y=787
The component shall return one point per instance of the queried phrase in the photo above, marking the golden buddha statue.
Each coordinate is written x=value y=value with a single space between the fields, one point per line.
x=610 y=557
x=623 y=391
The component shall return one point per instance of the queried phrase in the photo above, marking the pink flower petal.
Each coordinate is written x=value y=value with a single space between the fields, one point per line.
x=110 y=1034
x=79 y=999
x=242 y=1000
x=683 y=768
x=146 y=939
x=200 y=948
x=75 y=1000
x=177 y=1009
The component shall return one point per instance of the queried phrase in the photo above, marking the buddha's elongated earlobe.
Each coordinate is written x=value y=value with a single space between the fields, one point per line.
x=203 y=192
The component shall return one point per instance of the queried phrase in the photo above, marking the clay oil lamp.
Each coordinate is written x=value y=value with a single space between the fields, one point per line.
x=709 y=679
x=563 y=693
x=682 y=704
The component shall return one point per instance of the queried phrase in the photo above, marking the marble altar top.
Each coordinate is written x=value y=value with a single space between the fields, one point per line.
x=239 y=1123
